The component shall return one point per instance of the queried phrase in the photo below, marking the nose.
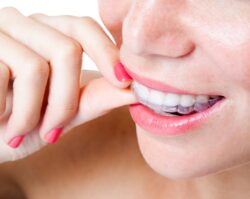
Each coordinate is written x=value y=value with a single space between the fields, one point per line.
x=154 y=27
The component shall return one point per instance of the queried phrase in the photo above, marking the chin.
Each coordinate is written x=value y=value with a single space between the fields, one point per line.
x=180 y=159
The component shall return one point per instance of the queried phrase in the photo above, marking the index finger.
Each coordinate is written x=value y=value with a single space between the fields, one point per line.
x=95 y=42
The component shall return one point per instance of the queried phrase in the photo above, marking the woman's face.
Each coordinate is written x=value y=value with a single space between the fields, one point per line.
x=200 y=47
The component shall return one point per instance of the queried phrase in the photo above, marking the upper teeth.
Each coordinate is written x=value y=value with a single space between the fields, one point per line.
x=156 y=99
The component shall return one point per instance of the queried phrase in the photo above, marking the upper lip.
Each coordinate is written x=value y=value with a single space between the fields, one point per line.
x=157 y=85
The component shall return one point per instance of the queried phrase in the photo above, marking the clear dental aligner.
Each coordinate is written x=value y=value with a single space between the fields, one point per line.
x=171 y=103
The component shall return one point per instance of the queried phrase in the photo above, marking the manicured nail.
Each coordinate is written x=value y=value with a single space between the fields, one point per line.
x=53 y=135
x=16 y=141
x=121 y=73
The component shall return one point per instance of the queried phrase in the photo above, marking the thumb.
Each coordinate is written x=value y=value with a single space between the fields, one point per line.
x=97 y=98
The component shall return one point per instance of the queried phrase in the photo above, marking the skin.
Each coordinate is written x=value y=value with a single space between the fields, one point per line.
x=192 y=40
x=34 y=72
x=199 y=38
x=204 y=37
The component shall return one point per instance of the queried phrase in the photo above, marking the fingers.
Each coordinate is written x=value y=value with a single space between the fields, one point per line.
x=4 y=82
x=30 y=74
x=64 y=92
x=94 y=40
x=27 y=101
x=94 y=89
x=64 y=55
x=64 y=58
x=97 y=97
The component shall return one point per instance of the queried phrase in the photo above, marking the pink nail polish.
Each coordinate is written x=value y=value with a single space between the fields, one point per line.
x=53 y=135
x=16 y=141
x=121 y=73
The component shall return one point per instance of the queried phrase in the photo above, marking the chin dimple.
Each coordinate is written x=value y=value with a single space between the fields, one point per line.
x=164 y=103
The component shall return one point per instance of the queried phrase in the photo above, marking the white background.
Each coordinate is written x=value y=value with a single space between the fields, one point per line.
x=59 y=7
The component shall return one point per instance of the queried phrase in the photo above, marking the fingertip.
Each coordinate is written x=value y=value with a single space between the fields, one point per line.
x=16 y=141
x=121 y=74
x=52 y=136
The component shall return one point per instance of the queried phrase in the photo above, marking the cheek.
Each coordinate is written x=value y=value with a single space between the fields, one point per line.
x=234 y=65
x=223 y=39
x=240 y=67
x=231 y=59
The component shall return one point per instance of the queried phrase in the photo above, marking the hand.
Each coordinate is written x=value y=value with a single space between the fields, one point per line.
x=42 y=56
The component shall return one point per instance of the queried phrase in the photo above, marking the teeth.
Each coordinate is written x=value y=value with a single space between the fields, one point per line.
x=202 y=99
x=142 y=91
x=201 y=103
x=171 y=99
x=156 y=97
x=187 y=100
x=171 y=102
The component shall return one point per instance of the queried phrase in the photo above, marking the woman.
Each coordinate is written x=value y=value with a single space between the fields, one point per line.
x=183 y=68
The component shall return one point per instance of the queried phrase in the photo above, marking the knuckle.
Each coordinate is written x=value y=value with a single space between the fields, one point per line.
x=69 y=50
x=69 y=108
x=62 y=116
x=87 y=20
x=6 y=13
x=37 y=67
x=64 y=110
x=8 y=9
x=24 y=123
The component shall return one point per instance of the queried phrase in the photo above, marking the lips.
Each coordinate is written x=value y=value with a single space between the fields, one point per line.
x=168 y=125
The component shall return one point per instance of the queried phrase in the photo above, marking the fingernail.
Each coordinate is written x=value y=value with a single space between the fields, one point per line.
x=16 y=141
x=53 y=135
x=121 y=73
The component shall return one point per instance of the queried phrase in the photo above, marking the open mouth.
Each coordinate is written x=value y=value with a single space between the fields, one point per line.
x=172 y=104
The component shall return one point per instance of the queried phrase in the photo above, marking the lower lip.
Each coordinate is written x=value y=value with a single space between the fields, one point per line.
x=170 y=126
